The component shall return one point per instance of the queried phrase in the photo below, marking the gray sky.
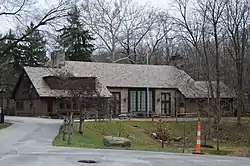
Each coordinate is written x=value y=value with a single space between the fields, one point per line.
x=7 y=24
x=160 y=3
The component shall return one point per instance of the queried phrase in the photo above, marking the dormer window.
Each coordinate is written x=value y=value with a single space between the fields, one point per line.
x=71 y=83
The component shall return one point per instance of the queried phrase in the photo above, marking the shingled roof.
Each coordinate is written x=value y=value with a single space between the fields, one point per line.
x=37 y=75
x=203 y=89
x=125 y=75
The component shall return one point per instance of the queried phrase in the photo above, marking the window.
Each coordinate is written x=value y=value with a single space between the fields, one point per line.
x=141 y=101
x=138 y=101
x=225 y=106
x=74 y=106
x=65 y=105
x=19 y=105
x=201 y=106
x=133 y=101
x=150 y=105
x=25 y=93
x=68 y=105
x=165 y=103
x=62 y=105
x=117 y=103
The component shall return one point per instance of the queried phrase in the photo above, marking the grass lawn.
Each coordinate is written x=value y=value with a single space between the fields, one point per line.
x=232 y=137
x=4 y=125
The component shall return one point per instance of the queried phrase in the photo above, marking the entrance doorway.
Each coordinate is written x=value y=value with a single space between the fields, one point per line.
x=49 y=105
x=165 y=103
x=117 y=105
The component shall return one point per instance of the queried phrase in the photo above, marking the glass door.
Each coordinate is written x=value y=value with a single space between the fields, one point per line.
x=165 y=103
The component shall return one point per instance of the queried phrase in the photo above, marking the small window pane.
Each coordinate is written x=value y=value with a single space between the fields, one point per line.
x=163 y=108
x=167 y=97
x=143 y=101
x=68 y=105
x=139 y=97
x=163 y=97
x=74 y=106
x=132 y=101
x=150 y=101
x=167 y=108
x=19 y=105
x=61 y=105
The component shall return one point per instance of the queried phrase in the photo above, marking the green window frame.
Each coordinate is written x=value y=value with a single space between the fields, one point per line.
x=138 y=100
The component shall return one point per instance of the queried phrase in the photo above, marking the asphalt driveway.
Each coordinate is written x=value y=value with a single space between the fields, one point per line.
x=28 y=142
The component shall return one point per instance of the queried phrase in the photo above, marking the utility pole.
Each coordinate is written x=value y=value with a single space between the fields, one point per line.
x=147 y=87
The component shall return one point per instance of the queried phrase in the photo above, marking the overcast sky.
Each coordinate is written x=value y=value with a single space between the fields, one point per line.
x=160 y=3
x=5 y=25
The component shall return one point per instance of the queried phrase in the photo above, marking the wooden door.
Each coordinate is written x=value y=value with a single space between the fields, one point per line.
x=117 y=103
x=49 y=105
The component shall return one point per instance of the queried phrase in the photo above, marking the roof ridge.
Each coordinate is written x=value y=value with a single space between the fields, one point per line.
x=122 y=64
x=119 y=75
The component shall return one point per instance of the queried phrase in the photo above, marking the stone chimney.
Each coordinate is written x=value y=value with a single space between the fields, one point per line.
x=58 y=59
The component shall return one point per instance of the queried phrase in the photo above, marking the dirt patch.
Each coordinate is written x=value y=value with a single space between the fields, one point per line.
x=231 y=133
x=241 y=152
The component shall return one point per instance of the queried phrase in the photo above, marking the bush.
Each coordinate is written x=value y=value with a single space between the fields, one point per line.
x=163 y=131
x=53 y=115
x=152 y=114
x=140 y=115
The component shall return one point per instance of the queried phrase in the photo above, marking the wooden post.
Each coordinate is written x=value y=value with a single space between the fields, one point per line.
x=70 y=129
x=64 y=129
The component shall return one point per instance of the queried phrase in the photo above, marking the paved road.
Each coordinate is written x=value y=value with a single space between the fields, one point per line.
x=28 y=143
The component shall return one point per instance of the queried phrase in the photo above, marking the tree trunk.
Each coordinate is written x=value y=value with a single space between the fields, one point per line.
x=8 y=105
x=135 y=56
x=209 y=125
x=96 y=115
x=239 y=92
x=184 y=135
x=120 y=129
x=217 y=139
x=205 y=133
x=81 y=121
x=70 y=129
x=217 y=73
x=64 y=129
x=110 y=109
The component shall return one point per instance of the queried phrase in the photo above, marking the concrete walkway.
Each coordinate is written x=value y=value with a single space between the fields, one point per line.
x=28 y=142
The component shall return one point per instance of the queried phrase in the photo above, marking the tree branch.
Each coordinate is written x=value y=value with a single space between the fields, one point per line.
x=15 y=12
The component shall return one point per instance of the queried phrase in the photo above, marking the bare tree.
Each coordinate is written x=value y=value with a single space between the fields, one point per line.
x=156 y=42
x=12 y=7
x=18 y=10
x=105 y=19
x=119 y=24
x=84 y=94
x=138 y=23
x=236 y=20
x=188 y=28
x=203 y=31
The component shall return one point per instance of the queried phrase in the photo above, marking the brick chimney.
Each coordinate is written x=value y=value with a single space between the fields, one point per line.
x=58 y=59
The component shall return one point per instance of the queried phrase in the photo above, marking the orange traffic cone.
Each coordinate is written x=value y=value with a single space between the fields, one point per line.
x=198 y=142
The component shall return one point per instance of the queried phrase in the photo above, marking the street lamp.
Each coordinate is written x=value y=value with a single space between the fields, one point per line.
x=147 y=54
